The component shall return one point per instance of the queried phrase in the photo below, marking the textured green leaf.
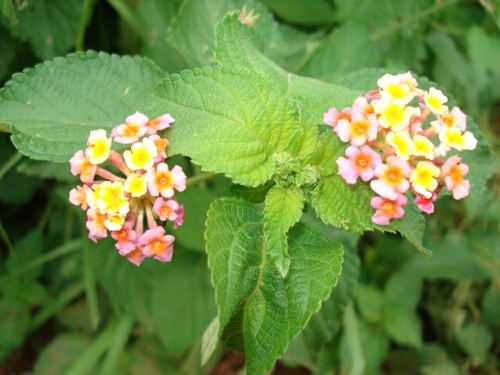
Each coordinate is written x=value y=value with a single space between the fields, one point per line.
x=283 y=209
x=50 y=26
x=53 y=107
x=348 y=48
x=305 y=349
x=220 y=131
x=258 y=309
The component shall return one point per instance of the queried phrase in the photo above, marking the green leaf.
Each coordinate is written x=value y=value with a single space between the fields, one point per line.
x=28 y=248
x=283 y=209
x=347 y=49
x=50 y=26
x=46 y=170
x=241 y=45
x=258 y=309
x=61 y=353
x=14 y=323
x=370 y=301
x=305 y=349
x=192 y=30
x=453 y=259
x=182 y=294
x=53 y=107
x=155 y=17
x=475 y=339
x=403 y=327
x=196 y=202
x=403 y=291
x=221 y=132
x=316 y=12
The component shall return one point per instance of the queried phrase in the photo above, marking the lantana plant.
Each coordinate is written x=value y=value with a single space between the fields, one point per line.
x=399 y=138
x=273 y=256
x=144 y=195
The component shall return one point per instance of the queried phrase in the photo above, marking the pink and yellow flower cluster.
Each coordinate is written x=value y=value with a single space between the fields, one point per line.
x=144 y=194
x=399 y=138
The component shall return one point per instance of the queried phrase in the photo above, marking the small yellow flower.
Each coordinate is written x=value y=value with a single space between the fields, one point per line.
x=394 y=114
x=141 y=155
x=454 y=138
x=422 y=146
x=402 y=143
x=136 y=185
x=114 y=222
x=99 y=147
x=434 y=100
x=423 y=178
x=112 y=199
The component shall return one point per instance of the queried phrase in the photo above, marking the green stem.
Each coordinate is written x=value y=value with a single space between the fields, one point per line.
x=82 y=26
x=199 y=178
x=6 y=239
x=62 y=300
x=391 y=29
x=90 y=285
x=120 y=338
x=128 y=16
x=89 y=359
x=64 y=249
x=10 y=163
x=353 y=341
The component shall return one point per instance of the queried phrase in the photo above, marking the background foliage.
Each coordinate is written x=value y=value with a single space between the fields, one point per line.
x=68 y=306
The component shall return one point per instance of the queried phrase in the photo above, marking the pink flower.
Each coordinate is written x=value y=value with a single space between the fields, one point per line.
x=162 y=181
x=156 y=244
x=80 y=165
x=180 y=216
x=392 y=178
x=78 y=196
x=426 y=204
x=126 y=239
x=135 y=256
x=454 y=171
x=360 y=163
x=161 y=145
x=132 y=130
x=96 y=224
x=166 y=209
x=159 y=123
x=387 y=209
x=359 y=130
x=333 y=116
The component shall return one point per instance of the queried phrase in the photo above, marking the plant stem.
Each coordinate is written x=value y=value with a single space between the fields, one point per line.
x=84 y=19
x=10 y=163
x=128 y=16
x=6 y=239
x=392 y=29
x=199 y=178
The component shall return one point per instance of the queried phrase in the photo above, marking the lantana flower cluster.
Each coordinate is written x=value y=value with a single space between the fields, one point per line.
x=400 y=137
x=143 y=195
